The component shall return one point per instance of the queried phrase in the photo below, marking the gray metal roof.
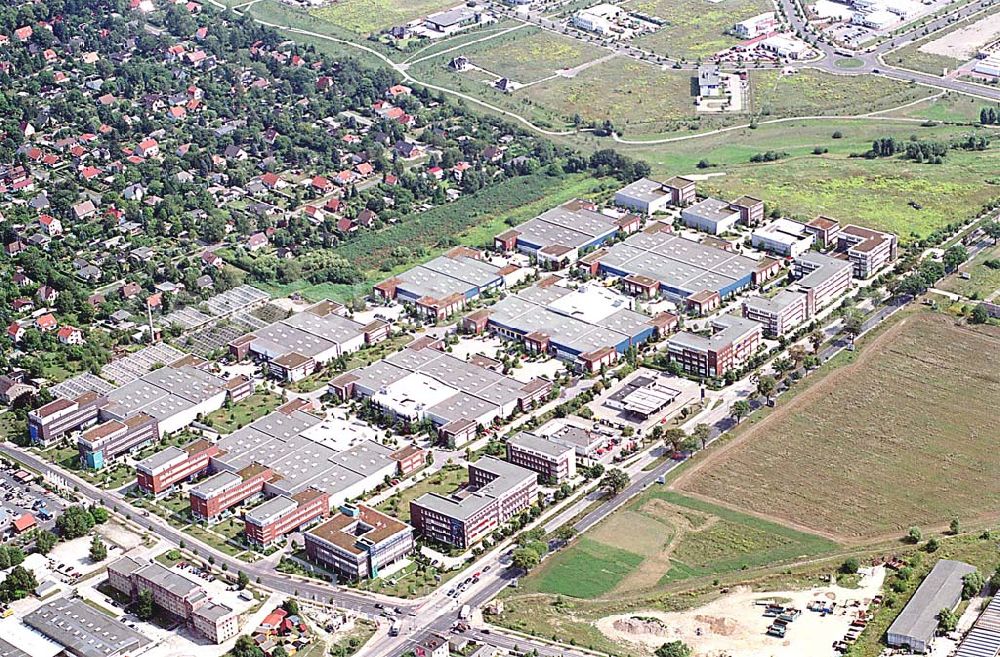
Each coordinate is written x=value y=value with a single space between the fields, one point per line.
x=530 y=441
x=84 y=631
x=942 y=588
x=644 y=189
x=983 y=640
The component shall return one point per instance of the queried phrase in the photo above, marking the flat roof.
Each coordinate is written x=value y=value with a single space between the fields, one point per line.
x=775 y=304
x=83 y=630
x=347 y=531
x=470 y=502
x=570 y=225
x=711 y=209
x=447 y=275
x=541 y=444
x=784 y=231
x=644 y=189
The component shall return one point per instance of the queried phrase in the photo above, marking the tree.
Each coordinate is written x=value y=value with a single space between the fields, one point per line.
x=74 y=522
x=242 y=580
x=854 y=321
x=972 y=584
x=992 y=229
x=816 y=339
x=565 y=533
x=672 y=438
x=144 y=605
x=245 y=647
x=740 y=410
x=766 y=386
x=98 y=550
x=291 y=606
x=19 y=583
x=953 y=257
x=850 y=566
x=702 y=432
x=914 y=535
x=979 y=315
x=525 y=559
x=947 y=620
x=615 y=480
x=955 y=526
x=674 y=649
x=45 y=541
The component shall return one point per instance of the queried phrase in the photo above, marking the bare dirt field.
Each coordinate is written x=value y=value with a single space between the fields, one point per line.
x=917 y=406
x=734 y=624
x=964 y=43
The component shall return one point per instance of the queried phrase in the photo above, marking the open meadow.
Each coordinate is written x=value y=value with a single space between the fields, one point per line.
x=918 y=405
x=809 y=92
x=695 y=28
x=371 y=16
x=983 y=281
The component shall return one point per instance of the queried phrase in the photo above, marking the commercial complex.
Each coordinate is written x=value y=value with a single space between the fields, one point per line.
x=556 y=462
x=656 y=262
x=821 y=278
x=443 y=286
x=496 y=492
x=358 y=542
x=559 y=235
x=730 y=346
x=917 y=624
x=270 y=521
x=176 y=595
x=160 y=472
x=642 y=396
x=588 y=326
x=224 y=490
x=82 y=631
x=424 y=383
x=142 y=410
x=779 y=314
x=293 y=348
x=710 y=216
x=868 y=250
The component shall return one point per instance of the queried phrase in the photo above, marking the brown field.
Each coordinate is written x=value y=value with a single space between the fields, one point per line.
x=906 y=435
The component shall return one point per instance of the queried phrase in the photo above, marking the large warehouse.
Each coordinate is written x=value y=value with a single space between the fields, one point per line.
x=589 y=326
x=557 y=236
x=917 y=624
x=675 y=266
x=425 y=383
x=294 y=347
x=441 y=287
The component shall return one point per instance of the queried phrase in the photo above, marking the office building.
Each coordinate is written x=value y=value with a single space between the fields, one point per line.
x=733 y=342
x=822 y=278
x=159 y=473
x=779 y=314
x=783 y=237
x=358 y=542
x=868 y=250
x=222 y=491
x=554 y=461
x=280 y=515
x=496 y=492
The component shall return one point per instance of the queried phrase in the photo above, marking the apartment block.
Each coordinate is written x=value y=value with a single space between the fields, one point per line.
x=176 y=595
x=162 y=471
x=358 y=542
x=496 y=492
x=554 y=461
x=822 y=278
x=733 y=342
x=224 y=490
x=280 y=515
x=779 y=314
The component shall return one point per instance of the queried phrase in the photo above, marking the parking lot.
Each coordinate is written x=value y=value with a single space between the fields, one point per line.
x=20 y=499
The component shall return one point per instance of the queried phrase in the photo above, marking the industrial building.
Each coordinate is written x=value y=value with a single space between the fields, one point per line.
x=556 y=462
x=710 y=216
x=496 y=492
x=642 y=396
x=560 y=234
x=655 y=263
x=983 y=640
x=730 y=346
x=755 y=26
x=293 y=348
x=917 y=624
x=270 y=521
x=589 y=326
x=649 y=196
x=82 y=631
x=424 y=383
x=358 y=542
x=178 y=596
x=783 y=237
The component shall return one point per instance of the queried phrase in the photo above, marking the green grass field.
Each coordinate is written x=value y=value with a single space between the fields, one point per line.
x=949 y=108
x=444 y=481
x=369 y=16
x=875 y=193
x=695 y=28
x=916 y=406
x=662 y=538
x=240 y=414
x=811 y=93
x=529 y=54
x=983 y=281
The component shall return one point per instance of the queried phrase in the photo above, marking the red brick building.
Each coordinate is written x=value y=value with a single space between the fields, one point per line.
x=280 y=515
x=224 y=490
x=161 y=471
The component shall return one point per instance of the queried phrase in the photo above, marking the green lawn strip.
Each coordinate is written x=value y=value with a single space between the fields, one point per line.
x=235 y=416
x=588 y=570
x=444 y=481
x=982 y=282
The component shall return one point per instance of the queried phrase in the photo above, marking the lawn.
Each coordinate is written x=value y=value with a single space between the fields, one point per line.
x=917 y=405
x=875 y=193
x=983 y=281
x=695 y=28
x=952 y=108
x=810 y=93
x=235 y=416
x=370 y=16
x=587 y=570
x=528 y=54
x=444 y=481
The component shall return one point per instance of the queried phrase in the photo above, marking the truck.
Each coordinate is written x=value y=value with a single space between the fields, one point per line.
x=394 y=628
x=465 y=612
